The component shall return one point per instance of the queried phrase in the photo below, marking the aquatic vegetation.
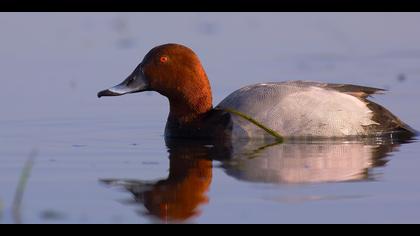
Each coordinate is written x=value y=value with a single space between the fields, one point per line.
x=271 y=132
x=20 y=190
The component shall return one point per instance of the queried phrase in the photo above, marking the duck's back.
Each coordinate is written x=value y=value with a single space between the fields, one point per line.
x=309 y=109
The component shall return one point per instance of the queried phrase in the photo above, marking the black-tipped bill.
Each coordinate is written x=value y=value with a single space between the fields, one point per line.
x=135 y=83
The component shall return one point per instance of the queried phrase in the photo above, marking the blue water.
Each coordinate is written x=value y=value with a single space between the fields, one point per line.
x=93 y=160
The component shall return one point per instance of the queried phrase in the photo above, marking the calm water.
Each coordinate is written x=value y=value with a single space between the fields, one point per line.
x=68 y=157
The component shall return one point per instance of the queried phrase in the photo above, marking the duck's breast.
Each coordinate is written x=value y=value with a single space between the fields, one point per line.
x=297 y=109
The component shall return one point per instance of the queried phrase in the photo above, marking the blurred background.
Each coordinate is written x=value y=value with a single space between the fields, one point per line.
x=53 y=64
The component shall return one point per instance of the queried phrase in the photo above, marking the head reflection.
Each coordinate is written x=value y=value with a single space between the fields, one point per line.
x=180 y=195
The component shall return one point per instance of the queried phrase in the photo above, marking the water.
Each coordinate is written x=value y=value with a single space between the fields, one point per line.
x=106 y=161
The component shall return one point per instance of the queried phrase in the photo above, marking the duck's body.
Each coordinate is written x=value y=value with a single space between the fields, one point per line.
x=291 y=109
x=309 y=109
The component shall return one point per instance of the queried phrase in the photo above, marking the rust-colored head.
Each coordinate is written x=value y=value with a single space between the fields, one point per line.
x=176 y=72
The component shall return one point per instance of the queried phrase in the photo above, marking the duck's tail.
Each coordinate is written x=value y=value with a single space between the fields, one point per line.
x=389 y=123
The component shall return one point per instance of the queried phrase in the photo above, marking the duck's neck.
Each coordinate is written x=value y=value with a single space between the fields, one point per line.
x=190 y=108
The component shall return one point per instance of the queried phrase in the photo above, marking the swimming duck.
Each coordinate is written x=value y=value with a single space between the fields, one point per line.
x=291 y=109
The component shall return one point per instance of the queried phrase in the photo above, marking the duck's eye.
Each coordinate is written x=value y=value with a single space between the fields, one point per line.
x=163 y=59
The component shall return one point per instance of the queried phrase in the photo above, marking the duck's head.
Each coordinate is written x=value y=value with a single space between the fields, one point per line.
x=174 y=71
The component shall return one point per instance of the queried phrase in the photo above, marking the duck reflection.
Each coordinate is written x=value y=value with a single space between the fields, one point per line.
x=179 y=197
x=310 y=162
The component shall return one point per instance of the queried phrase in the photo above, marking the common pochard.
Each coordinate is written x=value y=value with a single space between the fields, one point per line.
x=291 y=109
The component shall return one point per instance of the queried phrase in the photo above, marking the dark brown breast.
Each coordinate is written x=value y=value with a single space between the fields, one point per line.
x=215 y=124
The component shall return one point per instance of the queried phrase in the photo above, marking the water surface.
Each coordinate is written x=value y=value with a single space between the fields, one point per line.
x=68 y=157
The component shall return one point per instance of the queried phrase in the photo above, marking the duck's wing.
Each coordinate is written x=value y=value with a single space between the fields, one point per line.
x=388 y=122
x=354 y=90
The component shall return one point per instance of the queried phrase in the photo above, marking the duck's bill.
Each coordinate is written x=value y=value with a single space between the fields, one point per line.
x=135 y=83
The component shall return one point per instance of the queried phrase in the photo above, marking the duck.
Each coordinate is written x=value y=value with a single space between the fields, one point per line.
x=282 y=110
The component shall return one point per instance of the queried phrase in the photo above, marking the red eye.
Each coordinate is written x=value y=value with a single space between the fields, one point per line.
x=163 y=59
